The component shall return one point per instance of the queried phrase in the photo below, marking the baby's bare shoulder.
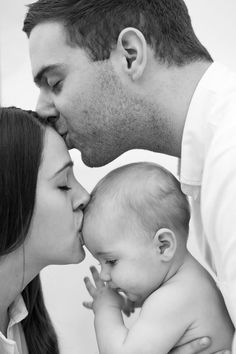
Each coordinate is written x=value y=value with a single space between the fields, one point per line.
x=207 y=308
x=191 y=288
x=192 y=297
x=198 y=281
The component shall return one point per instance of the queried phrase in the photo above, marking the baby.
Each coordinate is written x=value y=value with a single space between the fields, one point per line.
x=136 y=225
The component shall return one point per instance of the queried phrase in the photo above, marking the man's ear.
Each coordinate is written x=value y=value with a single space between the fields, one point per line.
x=165 y=244
x=132 y=46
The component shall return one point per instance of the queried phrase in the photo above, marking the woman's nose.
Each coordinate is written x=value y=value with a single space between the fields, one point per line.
x=81 y=198
x=45 y=106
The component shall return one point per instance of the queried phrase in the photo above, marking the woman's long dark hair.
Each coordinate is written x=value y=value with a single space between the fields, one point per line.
x=21 y=145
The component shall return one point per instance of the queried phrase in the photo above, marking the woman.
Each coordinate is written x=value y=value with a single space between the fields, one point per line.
x=41 y=211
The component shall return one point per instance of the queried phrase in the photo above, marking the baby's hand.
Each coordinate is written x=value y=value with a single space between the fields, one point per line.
x=102 y=294
x=128 y=306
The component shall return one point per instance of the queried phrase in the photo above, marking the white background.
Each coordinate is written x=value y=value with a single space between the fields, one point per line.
x=214 y=23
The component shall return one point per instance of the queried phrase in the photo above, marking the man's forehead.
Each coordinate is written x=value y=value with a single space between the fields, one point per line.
x=48 y=29
x=46 y=43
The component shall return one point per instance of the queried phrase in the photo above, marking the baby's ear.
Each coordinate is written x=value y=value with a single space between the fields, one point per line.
x=165 y=244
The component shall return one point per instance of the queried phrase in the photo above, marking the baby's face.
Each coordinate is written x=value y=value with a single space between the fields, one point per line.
x=128 y=259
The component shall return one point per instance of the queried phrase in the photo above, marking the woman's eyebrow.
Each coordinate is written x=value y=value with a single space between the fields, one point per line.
x=66 y=165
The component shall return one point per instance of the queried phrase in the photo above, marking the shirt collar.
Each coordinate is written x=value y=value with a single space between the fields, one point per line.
x=17 y=311
x=194 y=134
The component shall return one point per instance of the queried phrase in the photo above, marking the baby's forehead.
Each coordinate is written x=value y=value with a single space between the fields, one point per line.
x=111 y=199
x=101 y=203
x=101 y=214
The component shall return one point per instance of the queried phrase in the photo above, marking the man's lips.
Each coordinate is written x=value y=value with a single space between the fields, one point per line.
x=66 y=138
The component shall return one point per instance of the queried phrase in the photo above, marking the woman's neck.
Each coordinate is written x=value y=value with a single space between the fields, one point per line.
x=4 y=321
x=11 y=283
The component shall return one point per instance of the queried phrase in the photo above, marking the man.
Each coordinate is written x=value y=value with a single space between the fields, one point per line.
x=120 y=75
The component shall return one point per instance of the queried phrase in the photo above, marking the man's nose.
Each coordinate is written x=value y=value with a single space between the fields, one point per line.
x=105 y=274
x=45 y=106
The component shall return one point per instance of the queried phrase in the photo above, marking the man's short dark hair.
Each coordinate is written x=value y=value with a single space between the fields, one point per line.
x=95 y=26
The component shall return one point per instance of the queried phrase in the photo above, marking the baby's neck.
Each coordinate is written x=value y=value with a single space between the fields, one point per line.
x=187 y=263
x=181 y=257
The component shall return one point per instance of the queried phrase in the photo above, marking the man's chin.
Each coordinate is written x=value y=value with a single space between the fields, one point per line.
x=92 y=160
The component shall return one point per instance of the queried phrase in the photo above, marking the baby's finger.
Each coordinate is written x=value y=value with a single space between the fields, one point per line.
x=98 y=282
x=88 y=305
x=126 y=312
x=90 y=287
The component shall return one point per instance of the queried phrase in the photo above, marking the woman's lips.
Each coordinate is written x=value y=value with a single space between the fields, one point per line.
x=63 y=135
x=81 y=239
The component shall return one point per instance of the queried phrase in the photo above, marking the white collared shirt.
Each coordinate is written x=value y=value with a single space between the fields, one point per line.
x=208 y=177
x=15 y=342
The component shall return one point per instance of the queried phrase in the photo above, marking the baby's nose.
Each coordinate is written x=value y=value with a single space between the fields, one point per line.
x=105 y=275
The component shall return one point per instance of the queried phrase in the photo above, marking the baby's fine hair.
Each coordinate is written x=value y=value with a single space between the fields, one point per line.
x=149 y=191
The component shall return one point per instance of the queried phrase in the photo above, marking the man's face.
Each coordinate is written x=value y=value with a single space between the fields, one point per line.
x=95 y=112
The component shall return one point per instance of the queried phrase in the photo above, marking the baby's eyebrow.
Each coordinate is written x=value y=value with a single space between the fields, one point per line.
x=102 y=253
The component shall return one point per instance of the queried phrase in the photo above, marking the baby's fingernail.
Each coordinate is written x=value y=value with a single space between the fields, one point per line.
x=204 y=342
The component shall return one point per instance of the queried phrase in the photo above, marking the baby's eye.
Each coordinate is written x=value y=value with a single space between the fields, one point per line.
x=64 y=188
x=111 y=262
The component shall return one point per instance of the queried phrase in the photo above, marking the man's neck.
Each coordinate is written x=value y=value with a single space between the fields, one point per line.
x=171 y=90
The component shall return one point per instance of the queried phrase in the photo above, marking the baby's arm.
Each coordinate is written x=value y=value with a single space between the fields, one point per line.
x=155 y=331
x=109 y=324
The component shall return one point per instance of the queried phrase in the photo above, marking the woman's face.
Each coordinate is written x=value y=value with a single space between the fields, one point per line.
x=55 y=232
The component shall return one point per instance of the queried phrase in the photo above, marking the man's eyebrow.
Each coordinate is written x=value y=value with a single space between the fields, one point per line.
x=66 y=165
x=45 y=70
